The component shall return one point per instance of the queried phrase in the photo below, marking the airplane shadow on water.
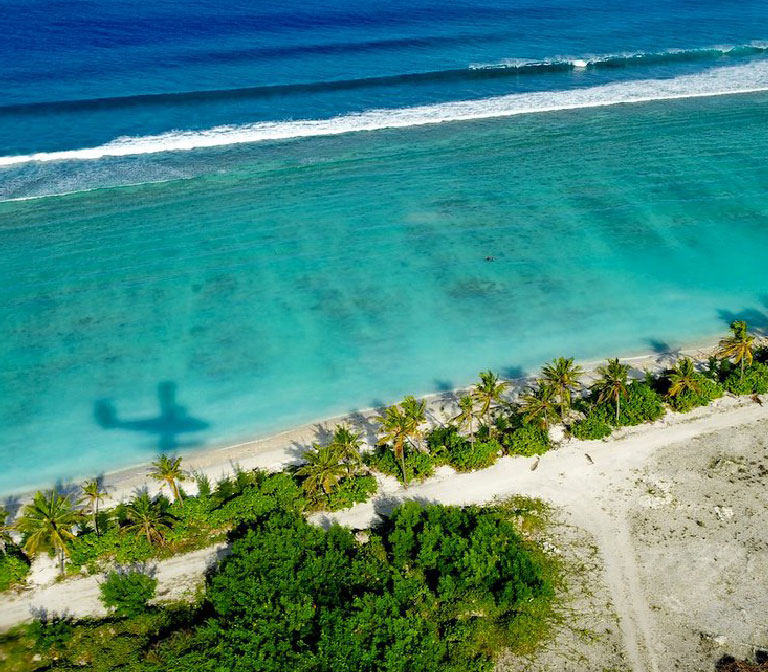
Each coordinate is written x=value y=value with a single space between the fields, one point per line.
x=172 y=421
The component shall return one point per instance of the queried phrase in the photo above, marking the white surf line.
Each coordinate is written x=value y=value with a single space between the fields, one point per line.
x=723 y=81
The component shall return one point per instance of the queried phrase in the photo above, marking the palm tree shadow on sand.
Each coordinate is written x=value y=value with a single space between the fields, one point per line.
x=172 y=421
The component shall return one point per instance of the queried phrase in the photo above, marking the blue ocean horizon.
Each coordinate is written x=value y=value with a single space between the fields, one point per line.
x=218 y=223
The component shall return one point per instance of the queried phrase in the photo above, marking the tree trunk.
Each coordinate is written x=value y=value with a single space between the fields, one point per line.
x=742 y=368
x=61 y=562
x=618 y=408
x=471 y=434
x=402 y=465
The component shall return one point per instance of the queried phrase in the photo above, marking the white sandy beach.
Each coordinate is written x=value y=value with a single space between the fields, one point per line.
x=279 y=450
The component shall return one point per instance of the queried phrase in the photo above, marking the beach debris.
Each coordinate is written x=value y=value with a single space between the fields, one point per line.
x=589 y=459
x=724 y=512
x=549 y=547
x=535 y=465
x=757 y=399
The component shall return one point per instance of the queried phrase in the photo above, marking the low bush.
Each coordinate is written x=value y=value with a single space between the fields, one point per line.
x=526 y=440
x=418 y=464
x=14 y=568
x=755 y=380
x=51 y=632
x=593 y=427
x=127 y=593
x=688 y=400
x=447 y=446
x=642 y=403
x=352 y=490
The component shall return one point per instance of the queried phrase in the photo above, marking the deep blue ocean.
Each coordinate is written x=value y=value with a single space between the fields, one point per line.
x=219 y=221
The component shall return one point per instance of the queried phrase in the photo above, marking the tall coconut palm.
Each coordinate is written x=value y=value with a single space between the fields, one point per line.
x=683 y=377
x=323 y=470
x=612 y=383
x=6 y=539
x=93 y=495
x=563 y=375
x=148 y=518
x=168 y=471
x=347 y=445
x=416 y=414
x=395 y=428
x=466 y=416
x=540 y=405
x=488 y=393
x=47 y=524
x=737 y=347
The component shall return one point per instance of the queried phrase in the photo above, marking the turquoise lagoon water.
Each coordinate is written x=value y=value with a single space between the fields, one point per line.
x=282 y=282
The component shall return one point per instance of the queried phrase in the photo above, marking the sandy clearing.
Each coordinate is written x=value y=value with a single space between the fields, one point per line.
x=177 y=577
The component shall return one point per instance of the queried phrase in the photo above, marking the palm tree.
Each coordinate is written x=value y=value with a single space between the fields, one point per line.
x=488 y=393
x=6 y=539
x=540 y=404
x=466 y=416
x=684 y=377
x=322 y=471
x=395 y=429
x=151 y=519
x=93 y=495
x=563 y=375
x=347 y=445
x=416 y=413
x=47 y=523
x=737 y=347
x=168 y=471
x=612 y=383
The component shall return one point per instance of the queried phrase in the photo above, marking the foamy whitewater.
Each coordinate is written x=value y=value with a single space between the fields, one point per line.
x=219 y=221
x=748 y=78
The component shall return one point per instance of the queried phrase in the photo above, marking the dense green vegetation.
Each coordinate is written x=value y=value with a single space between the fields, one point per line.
x=127 y=593
x=433 y=588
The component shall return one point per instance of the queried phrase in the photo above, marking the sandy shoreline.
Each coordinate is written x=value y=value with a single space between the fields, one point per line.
x=276 y=451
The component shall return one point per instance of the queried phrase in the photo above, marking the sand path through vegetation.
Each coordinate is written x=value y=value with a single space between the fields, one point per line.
x=594 y=482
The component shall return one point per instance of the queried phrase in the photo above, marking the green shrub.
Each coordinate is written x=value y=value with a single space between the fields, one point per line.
x=479 y=455
x=591 y=428
x=688 y=400
x=436 y=588
x=197 y=523
x=447 y=446
x=755 y=380
x=527 y=440
x=14 y=568
x=51 y=632
x=642 y=404
x=418 y=465
x=127 y=592
x=352 y=490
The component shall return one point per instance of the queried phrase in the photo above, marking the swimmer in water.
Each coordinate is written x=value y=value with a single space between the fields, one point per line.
x=489 y=258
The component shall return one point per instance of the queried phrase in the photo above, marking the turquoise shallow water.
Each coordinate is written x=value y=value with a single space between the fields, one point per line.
x=296 y=280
